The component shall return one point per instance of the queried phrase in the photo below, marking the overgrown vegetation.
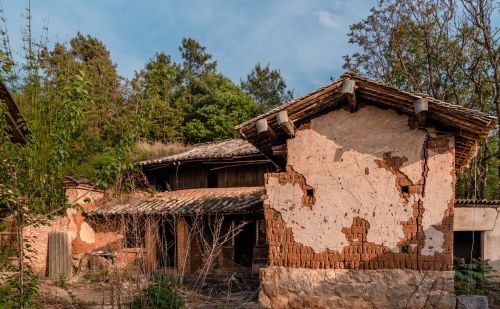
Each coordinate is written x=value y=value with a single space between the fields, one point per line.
x=161 y=292
x=88 y=121
x=144 y=150
x=475 y=278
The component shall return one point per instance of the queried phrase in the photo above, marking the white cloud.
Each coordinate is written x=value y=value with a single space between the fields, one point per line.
x=328 y=20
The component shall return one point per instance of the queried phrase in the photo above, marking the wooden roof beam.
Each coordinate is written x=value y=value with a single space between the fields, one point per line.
x=279 y=150
x=264 y=128
x=285 y=123
x=349 y=88
x=421 y=107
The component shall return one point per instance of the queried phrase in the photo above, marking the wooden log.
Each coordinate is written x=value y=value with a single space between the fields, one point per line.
x=285 y=123
x=263 y=128
x=421 y=107
x=348 y=88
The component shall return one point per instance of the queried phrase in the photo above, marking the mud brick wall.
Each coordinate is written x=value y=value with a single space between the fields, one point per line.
x=83 y=235
x=363 y=190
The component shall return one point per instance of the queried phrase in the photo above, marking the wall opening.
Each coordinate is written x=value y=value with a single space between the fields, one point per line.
x=212 y=179
x=135 y=233
x=310 y=192
x=244 y=243
x=465 y=243
x=165 y=253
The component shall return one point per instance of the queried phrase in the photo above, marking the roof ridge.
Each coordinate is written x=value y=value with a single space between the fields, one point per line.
x=193 y=148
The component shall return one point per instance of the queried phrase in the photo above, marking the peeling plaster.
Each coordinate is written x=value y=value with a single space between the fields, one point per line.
x=433 y=241
x=72 y=228
x=87 y=234
x=439 y=189
x=337 y=154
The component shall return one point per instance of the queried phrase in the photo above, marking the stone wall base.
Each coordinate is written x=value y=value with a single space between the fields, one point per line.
x=284 y=287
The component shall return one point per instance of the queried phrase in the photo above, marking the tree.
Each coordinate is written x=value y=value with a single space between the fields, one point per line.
x=223 y=108
x=101 y=145
x=439 y=47
x=212 y=104
x=196 y=61
x=153 y=95
x=267 y=87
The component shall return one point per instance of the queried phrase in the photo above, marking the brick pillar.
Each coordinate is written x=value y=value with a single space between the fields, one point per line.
x=182 y=232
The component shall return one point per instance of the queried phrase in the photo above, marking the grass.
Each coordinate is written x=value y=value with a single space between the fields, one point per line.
x=144 y=150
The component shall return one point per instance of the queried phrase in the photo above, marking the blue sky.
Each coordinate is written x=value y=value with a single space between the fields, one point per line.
x=304 y=39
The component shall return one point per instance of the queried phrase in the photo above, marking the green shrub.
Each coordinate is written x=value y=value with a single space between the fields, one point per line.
x=162 y=292
x=97 y=276
x=475 y=278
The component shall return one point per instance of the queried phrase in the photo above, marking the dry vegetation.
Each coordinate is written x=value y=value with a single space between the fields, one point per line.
x=144 y=150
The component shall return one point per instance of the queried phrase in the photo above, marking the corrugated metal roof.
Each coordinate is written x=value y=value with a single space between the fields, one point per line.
x=474 y=202
x=187 y=202
x=227 y=149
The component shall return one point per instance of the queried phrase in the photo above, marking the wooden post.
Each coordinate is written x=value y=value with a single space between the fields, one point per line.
x=348 y=88
x=285 y=123
x=421 y=107
x=263 y=128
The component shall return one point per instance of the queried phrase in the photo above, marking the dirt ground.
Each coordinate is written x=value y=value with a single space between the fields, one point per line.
x=82 y=293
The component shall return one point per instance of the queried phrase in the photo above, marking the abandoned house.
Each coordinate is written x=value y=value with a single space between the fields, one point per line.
x=347 y=189
x=205 y=213
x=361 y=212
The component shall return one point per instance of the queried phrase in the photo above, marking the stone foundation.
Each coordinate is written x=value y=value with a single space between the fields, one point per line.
x=285 y=287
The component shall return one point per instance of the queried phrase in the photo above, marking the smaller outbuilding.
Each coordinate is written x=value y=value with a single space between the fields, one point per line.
x=476 y=230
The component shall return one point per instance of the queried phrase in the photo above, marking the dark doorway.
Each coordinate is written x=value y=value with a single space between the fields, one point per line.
x=212 y=179
x=165 y=252
x=466 y=242
x=243 y=245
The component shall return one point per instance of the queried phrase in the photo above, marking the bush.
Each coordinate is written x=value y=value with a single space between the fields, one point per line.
x=475 y=278
x=162 y=292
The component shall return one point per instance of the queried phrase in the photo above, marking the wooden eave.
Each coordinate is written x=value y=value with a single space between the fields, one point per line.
x=243 y=160
x=13 y=114
x=468 y=126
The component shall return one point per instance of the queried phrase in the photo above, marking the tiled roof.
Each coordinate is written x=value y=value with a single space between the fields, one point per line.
x=474 y=202
x=228 y=149
x=471 y=125
x=187 y=202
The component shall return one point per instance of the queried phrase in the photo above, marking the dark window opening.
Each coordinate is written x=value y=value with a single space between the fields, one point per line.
x=465 y=243
x=165 y=253
x=212 y=179
x=135 y=234
x=243 y=245
x=310 y=192
x=405 y=189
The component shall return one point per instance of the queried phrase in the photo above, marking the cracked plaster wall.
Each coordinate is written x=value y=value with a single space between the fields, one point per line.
x=367 y=165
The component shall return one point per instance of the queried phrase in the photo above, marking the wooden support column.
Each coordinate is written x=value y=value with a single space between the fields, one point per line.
x=150 y=241
x=182 y=242
x=348 y=88
x=285 y=123
x=421 y=107
x=264 y=128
